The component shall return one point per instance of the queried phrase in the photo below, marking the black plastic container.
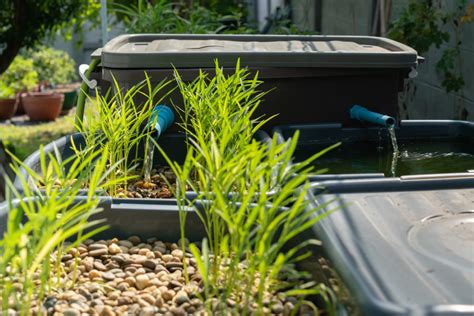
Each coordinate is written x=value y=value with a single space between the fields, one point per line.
x=313 y=79
x=401 y=247
x=350 y=159
x=151 y=220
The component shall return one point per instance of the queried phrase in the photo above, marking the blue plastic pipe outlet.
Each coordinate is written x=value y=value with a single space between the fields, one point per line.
x=360 y=113
x=163 y=117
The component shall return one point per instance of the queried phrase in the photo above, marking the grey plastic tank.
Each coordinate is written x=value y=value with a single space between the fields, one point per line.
x=313 y=79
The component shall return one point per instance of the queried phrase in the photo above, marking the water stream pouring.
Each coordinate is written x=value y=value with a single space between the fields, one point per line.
x=162 y=117
x=360 y=113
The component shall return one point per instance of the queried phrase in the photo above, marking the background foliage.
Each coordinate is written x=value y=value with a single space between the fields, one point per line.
x=425 y=24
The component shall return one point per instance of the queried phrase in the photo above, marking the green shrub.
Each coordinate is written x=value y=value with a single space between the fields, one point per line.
x=53 y=66
x=20 y=76
x=6 y=92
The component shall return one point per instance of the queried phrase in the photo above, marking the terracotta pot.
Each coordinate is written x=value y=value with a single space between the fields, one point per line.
x=7 y=108
x=42 y=106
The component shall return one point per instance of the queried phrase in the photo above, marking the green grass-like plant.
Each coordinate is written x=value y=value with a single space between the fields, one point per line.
x=257 y=195
x=36 y=227
x=120 y=122
x=250 y=226
x=221 y=106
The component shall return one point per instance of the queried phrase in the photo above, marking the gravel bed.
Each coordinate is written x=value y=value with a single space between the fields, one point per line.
x=156 y=188
x=135 y=277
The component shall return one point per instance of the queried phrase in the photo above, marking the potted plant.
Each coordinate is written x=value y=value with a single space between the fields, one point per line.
x=42 y=106
x=20 y=77
x=56 y=72
x=8 y=102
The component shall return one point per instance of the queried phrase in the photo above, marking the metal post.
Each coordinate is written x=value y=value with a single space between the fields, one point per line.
x=103 y=21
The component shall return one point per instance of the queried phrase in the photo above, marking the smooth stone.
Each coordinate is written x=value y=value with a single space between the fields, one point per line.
x=143 y=251
x=130 y=269
x=88 y=263
x=131 y=281
x=142 y=281
x=97 y=246
x=71 y=312
x=277 y=308
x=114 y=249
x=180 y=242
x=124 y=300
x=177 y=311
x=160 y=268
x=181 y=297
x=111 y=302
x=150 y=255
x=134 y=240
x=159 y=301
x=190 y=270
x=94 y=274
x=107 y=311
x=96 y=302
x=171 y=265
x=125 y=243
x=177 y=253
x=118 y=258
x=166 y=258
x=112 y=265
x=129 y=294
x=140 y=271
x=98 y=252
x=134 y=250
x=148 y=311
x=139 y=259
x=142 y=302
x=108 y=276
x=93 y=287
x=123 y=286
x=99 y=266
x=151 y=264
x=147 y=297
x=114 y=295
x=168 y=295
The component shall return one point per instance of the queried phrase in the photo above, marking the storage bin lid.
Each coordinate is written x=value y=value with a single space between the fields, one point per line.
x=405 y=252
x=150 y=51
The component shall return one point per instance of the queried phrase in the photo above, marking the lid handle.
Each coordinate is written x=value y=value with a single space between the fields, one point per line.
x=82 y=73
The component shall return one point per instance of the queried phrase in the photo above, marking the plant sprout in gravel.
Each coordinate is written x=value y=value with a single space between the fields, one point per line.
x=28 y=270
x=257 y=199
x=121 y=124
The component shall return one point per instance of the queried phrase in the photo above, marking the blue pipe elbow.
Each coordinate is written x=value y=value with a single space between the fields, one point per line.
x=360 y=113
x=163 y=117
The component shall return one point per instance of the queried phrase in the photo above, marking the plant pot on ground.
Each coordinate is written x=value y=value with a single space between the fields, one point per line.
x=7 y=108
x=8 y=102
x=43 y=106
x=20 y=77
x=70 y=92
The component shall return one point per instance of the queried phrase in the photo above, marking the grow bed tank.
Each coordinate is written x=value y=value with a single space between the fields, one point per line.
x=147 y=219
x=402 y=247
x=426 y=147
